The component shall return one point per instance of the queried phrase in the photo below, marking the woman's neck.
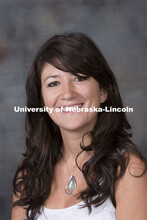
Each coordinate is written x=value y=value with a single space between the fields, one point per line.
x=71 y=145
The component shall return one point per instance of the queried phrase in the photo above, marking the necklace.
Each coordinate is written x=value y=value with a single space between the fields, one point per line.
x=71 y=184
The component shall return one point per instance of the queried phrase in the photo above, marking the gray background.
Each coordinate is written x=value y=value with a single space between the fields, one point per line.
x=119 y=28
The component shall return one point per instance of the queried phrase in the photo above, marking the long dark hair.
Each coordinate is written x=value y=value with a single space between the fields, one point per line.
x=74 y=53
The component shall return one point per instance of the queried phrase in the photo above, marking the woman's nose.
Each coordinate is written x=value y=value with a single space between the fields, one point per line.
x=68 y=91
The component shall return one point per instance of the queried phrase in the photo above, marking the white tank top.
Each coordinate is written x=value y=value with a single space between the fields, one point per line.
x=104 y=212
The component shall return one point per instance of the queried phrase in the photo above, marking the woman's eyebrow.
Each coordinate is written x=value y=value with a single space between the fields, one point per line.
x=53 y=76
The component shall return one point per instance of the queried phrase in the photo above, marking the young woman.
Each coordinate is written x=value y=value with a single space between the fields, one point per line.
x=77 y=163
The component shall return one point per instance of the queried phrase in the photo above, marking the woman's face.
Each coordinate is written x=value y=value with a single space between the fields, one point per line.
x=62 y=89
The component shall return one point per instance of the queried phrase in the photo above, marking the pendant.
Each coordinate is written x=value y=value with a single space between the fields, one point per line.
x=71 y=185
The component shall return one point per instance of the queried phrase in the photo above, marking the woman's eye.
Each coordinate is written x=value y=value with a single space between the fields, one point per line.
x=53 y=84
x=80 y=78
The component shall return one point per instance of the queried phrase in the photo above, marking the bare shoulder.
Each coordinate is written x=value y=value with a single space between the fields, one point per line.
x=18 y=213
x=131 y=191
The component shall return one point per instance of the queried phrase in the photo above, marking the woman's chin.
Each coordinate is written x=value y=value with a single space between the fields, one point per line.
x=76 y=127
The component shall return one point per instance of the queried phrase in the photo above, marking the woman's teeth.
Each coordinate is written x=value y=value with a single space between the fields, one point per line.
x=71 y=108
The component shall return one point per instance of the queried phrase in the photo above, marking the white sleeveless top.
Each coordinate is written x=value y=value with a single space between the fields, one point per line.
x=104 y=212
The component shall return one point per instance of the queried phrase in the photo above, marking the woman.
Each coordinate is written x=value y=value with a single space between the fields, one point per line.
x=77 y=163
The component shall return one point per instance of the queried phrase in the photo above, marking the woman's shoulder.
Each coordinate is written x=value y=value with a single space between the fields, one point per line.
x=135 y=165
x=131 y=190
x=136 y=170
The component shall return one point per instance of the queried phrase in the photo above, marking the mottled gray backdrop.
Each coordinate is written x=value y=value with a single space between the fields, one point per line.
x=119 y=28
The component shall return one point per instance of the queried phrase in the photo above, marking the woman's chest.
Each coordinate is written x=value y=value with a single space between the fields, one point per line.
x=106 y=211
x=58 y=197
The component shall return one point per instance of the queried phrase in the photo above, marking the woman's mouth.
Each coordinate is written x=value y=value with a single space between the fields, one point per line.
x=71 y=108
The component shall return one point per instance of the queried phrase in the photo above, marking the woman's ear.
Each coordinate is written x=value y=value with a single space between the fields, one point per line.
x=103 y=95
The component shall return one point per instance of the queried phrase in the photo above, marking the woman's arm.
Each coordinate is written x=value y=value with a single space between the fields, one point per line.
x=18 y=213
x=131 y=192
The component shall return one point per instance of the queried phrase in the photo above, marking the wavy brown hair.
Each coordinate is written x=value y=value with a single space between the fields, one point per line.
x=74 y=53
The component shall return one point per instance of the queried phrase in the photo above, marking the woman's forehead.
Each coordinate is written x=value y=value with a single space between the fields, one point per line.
x=49 y=71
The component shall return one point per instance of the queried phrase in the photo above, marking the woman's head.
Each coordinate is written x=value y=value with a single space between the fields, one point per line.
x=74 y=54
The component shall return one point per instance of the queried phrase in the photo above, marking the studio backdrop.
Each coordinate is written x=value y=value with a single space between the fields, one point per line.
x=119 y=29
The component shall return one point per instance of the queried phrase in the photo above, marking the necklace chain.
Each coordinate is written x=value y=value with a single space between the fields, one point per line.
x=67 y=166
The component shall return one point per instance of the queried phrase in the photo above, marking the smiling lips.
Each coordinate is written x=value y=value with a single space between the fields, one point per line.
x=70 y=108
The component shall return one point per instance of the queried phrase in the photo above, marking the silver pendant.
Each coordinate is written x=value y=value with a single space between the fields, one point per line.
x=71 y=185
